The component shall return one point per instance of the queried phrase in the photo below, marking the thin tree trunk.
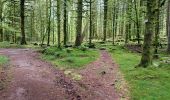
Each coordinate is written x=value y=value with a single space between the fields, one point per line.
x=168 y=25
x=1 y=20
x=58 y=22
x=105 y=20
x=137 y=23
x=65 y=22
x=49 y=25
x=22 y=5
x=90 y=35
x=156 y=41
x=53 y=25
x=114 y=23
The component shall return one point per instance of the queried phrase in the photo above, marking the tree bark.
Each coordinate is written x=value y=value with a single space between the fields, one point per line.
x=58 y=22
x=1 y=20
x=137 y=23
x=168 y=26
x=49 y=24
x=65 y=22
x=79 y=23
x=105 y=20
x=113 y=23
x=22 y=5
x=156 y=41
x=146 y=59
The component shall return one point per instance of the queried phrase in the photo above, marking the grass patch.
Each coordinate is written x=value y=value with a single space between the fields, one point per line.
x=145 y=83
x=3 y=60
x=71 y=58
x=6 y=44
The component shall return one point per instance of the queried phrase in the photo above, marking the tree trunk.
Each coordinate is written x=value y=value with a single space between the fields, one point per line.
x=22 y=11
x=1 y=28
x=49 y=24
x=65 y=22
x=113 y=24
x=53 y=25
x=156 y=41
x=168 y=27
x=79 y=23
x=137 y=23
x=105 y=20
x=90 y=35
x=58 y=22
x=146 y=59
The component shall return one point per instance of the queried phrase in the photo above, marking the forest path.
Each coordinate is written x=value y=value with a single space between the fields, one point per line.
x=101 y=77
x=35 y=79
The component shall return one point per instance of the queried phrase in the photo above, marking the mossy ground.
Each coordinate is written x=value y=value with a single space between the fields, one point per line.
x=3 y=61
x=71 y=58
x=6 y=44
x=150 y=83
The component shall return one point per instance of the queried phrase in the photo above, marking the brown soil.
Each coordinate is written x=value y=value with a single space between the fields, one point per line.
x=34 y=79
x=101 y=77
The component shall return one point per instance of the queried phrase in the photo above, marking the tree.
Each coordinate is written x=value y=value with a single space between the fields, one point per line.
x=58 y=22
x=156 y=40
x=137 y=22
x=49 y=24
x=146 y=59
x=22 y=11
x=90 y=20
x=79 y=23
x=105 y=20
x=168 y=25
x=65 y=22
x=1 y=20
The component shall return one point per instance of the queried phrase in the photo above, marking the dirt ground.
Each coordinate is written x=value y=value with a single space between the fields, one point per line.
x=35 y=79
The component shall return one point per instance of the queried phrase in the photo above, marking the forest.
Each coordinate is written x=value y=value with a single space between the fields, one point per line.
x=84 y=49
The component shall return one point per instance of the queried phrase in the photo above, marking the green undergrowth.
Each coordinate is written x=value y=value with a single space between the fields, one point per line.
x=6 y=44
x=3 y=61
x=70 y=58
x=150 y=83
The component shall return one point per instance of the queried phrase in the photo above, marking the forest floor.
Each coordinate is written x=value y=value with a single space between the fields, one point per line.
x=31 y=78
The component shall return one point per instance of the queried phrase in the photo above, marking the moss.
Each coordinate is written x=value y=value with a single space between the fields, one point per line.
x=71 y=58
x=3 y=60
x=150 y=83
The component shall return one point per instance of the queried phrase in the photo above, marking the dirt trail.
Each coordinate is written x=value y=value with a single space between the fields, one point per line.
x=34 y=79
x=101 y=76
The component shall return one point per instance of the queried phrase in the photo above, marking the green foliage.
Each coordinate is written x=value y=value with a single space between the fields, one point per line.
x=8 y=28
x=51 y=50
x=3 y=60
x=70 y=58
x=145 y=83
x=6 y=44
